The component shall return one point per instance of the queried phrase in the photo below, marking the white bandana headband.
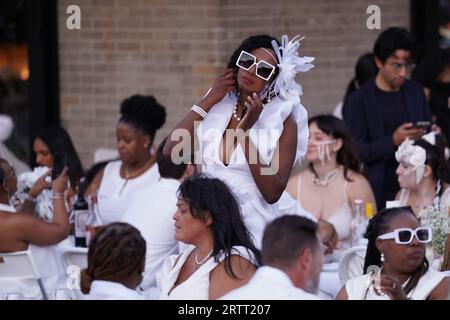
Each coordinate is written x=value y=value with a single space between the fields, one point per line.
x=414 y=155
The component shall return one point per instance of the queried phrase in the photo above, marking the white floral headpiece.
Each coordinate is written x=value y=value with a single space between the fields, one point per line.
x=431 y=139
x=289 y=65
x=414 y=155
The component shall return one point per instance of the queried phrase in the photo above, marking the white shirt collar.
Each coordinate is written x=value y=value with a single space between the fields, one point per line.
x=107 y=290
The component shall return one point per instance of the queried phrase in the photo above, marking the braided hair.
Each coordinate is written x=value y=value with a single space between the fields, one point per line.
x=378 y=225
x=116 y=252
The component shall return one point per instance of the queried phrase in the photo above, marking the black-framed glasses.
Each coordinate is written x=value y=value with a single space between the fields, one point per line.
x=406 y=235
x=246 y=61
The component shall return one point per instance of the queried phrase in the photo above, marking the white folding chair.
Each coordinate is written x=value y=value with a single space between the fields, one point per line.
x=21 y=265
x=352 y=263
x=75 y=256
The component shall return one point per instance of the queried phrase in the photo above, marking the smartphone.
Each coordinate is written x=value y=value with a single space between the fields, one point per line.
x=422 y=125
x=59 y=162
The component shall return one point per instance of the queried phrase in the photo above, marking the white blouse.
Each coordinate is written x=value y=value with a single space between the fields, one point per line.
x=117 y=194
x=196 y=287
x=359 y=289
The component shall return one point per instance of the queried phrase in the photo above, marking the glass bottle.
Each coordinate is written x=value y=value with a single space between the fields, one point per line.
x=356 y=223
x=95 y=219
x=81 y=216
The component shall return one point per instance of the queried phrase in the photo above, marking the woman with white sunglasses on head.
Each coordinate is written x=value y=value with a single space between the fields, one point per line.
x=251 y=127
x=395 y=265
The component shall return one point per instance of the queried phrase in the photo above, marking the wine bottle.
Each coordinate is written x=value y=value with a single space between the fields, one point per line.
x=81 y=215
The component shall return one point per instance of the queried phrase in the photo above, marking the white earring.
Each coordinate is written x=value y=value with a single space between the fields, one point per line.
x=382 y=257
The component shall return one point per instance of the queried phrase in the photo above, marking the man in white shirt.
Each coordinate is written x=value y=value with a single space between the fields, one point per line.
x=292 y=263
x=152 y=215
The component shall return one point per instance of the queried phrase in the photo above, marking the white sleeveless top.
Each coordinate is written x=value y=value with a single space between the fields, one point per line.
x=358 y=289
x=264 y=134
x=114 y=197
x=340 y=219
x=196 y=287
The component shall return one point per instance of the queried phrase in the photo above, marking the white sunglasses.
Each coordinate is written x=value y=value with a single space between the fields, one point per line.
x=246 y=61
x=405 y=235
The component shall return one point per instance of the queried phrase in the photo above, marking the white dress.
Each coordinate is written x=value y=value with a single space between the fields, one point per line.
x=114 y=197
x=196 y=287
x=269 y=283
x=264 y=134
x=107 y=290
x=358 y=289
x=151 y=213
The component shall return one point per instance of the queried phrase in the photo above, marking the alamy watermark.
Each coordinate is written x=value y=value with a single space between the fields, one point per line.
x=266 y=154
x=73 y=22
x=374 y=20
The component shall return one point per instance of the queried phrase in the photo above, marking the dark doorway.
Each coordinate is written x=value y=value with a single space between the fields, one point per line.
x=29 y=86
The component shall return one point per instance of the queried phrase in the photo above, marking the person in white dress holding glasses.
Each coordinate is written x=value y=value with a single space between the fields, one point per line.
x=395 y=266
x=251 y=126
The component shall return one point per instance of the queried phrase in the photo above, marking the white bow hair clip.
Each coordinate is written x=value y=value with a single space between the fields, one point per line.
x=289 y=65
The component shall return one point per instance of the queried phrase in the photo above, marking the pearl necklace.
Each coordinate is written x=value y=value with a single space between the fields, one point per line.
x=330 y=177
x=203 y=260
x=235 y=113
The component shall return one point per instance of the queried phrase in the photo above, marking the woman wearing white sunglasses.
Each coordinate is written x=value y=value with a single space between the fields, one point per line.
x=395 y=265
x=252 y=127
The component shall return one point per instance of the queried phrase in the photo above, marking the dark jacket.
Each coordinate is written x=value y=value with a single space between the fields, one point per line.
x=365 y=122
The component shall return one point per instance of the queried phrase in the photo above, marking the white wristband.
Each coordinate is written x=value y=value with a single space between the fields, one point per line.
x=202 y=113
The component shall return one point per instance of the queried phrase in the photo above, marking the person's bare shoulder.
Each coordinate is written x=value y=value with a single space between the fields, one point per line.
x=221 y=282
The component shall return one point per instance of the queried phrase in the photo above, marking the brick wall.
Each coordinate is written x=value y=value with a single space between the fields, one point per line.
x=173 y=49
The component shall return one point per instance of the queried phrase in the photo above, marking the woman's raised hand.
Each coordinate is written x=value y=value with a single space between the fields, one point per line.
x=59 y=185
x=40 y=185
x=254 y=106
x=224 y=84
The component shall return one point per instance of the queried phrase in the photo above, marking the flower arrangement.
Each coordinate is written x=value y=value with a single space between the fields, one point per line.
x=44 y=204
x=439 y=221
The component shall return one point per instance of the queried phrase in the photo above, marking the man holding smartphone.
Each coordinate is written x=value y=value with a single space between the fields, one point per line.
x=386 y=111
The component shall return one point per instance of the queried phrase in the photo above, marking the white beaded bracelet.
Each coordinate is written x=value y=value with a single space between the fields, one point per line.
x=202 y=113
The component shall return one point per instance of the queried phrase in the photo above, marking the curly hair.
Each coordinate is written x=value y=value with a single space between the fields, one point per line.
x=143 y=113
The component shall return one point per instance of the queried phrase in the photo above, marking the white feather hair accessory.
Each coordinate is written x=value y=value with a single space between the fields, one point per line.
x=289 y=65
x=414 y=155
